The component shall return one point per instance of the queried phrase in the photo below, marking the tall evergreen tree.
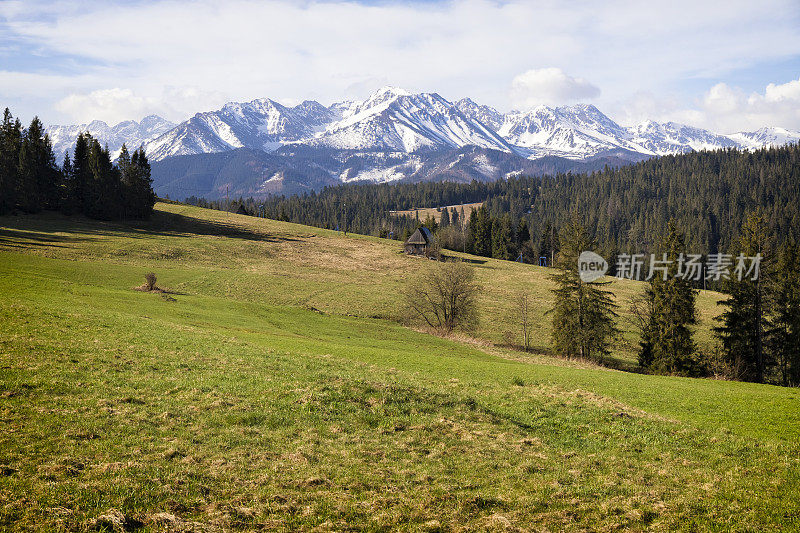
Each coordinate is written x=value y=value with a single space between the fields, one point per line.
x=445 y=221
x=141 y=186
x=455 y=220
x=10 y=144
x=102 y=197
x=482 y=232
x=39 y=178
x=66 y=203
x=79 y=181
x=502 y=238
x=584 y=314
x=744 y=322
x=667 y=345
x=784 y=329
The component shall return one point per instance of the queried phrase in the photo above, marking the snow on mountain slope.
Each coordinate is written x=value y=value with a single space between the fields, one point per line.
x=261 y=124
x=396 y=120
x=577 y=132
x=762 y=137
x=482 y=113
x=130 y=132
x=672 y=138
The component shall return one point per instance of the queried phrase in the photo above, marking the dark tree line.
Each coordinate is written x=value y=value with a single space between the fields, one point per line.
x=624 y=209
x=760 y=327
x=758 y=331
x=88 y=182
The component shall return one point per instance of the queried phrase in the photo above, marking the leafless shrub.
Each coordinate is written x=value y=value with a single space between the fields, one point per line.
x=150 y=281
x=434 y=251
x=444 y=296
x=522 y=314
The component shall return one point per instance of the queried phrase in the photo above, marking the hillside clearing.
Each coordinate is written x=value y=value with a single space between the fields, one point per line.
x=436 y=212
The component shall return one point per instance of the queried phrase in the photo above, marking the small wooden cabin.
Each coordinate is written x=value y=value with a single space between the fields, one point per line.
x=419 y=241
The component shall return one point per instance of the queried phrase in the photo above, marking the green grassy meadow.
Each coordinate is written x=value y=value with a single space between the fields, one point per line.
x=275 y=388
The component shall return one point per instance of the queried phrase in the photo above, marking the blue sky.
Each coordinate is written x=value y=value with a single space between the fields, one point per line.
x=726 y=66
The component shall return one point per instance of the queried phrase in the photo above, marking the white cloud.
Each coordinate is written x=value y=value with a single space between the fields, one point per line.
x=721 y=108
x=118 y=104
x=109 y=105
x=237 y=50
x=728 y=109
x=549 y=86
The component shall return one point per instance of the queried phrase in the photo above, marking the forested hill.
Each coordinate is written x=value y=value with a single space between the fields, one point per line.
x=627 y=208
x=707 y=193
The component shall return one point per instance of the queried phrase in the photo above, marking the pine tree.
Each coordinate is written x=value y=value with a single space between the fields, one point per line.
x=10 y=144
x=78 y=183
x=667 y=345
x=127 y=173
x=141 y=185
x=67 y=174
x=584 y=313
x=784 y=330
x=445 y=221
x=103 y=194
x=28 y=191
x=482 y=235
x=502 y=239
x=744 y=322
x=455 y=220
x=430 y=223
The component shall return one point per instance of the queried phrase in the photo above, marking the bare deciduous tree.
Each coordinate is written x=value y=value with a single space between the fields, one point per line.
x=522 y=310
x=444 y=295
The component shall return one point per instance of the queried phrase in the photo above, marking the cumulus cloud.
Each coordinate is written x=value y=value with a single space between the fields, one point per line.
x=549 y=86
x=109 y=105
x=728 y=109
x=118 y=104
x=330 y=50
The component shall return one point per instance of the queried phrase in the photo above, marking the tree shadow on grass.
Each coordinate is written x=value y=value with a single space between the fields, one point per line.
x=53 y=229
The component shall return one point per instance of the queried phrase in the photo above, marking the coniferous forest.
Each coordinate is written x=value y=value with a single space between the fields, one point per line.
x=88 y=182
x=625 y=209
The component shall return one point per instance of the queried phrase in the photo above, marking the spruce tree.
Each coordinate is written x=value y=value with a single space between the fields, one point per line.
x=445 y=220
x=784 y=330
x=66 y=203
x=743 y=323
x=502 y=238
x=28 y=192
x=584 y=314
x=141 y=186
x=482 y=232
x=670 y=304
x=103 y=193
x=455 y=220
x=78 y=183
x=10 y=144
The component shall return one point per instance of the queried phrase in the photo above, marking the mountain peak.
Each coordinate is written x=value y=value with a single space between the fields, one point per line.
x=392 y=91
x=394 y=120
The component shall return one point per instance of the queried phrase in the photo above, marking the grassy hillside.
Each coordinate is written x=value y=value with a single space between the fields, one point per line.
x=274 y=389
x=425 y=212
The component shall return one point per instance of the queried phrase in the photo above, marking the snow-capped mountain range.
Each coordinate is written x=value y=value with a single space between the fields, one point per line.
x=130 y=132
x=396 y=131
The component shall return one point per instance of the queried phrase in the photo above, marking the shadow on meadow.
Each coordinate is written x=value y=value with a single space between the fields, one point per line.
x=45 y=229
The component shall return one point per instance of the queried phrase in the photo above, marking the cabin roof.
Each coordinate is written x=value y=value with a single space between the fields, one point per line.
x=422 y=236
